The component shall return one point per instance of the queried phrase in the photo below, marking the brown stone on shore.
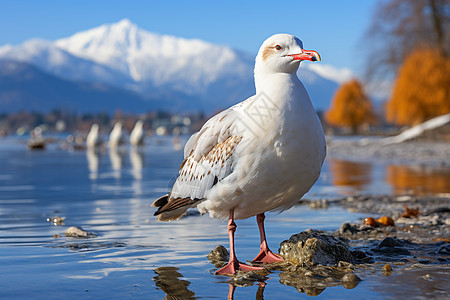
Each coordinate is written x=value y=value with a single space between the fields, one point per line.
x=386 y=221
x=350 y=281
x=387 y=270
x=310 y=248
x=370 y=221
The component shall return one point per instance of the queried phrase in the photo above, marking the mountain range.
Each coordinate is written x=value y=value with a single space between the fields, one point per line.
x=120 y=66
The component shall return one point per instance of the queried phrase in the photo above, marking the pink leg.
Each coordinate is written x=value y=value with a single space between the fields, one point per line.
x=231 y=290
x=265 y=255
x=234 y=264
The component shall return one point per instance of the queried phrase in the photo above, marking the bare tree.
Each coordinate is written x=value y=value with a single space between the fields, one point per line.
x=402 y=26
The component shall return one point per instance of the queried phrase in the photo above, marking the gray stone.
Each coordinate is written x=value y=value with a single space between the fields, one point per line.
x=219 y=256
x=77 y=232
x=314 y=248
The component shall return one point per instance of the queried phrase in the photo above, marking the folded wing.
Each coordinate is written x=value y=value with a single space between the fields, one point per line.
x=208 y=158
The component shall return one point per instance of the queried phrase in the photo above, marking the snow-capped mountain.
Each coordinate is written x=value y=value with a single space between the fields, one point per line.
x=56 y=61
x=192 y=65
x=177 y=72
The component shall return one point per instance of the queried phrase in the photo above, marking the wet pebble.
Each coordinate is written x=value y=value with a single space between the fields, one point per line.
x=347 y=228
x=350 y=281
x=371 y=222
x=386 y=221
x=387 y=270
x=391 y=246
x=77 y=232
x=247 y=278
x=219 y=256
x=444 y=249
x=390 y=242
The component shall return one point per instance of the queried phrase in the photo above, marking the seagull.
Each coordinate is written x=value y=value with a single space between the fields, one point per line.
x=93 y=139
x=116 y=137
x=260 y=155
x=137 y=134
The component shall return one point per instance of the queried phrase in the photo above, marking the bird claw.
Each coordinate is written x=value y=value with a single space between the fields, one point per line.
x=268 y=257
x=233 y=266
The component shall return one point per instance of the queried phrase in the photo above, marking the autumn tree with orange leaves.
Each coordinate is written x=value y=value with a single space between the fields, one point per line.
x=350 y=107
x=422 y=88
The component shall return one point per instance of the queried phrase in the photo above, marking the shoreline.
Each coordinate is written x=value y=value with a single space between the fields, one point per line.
x=370 y=149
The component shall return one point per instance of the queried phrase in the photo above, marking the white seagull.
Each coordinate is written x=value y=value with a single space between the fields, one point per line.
x=93 y=139
x=260 y=155
x=137 y=134
x=116 y=137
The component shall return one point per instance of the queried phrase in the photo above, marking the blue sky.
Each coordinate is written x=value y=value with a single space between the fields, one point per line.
x=334 y=28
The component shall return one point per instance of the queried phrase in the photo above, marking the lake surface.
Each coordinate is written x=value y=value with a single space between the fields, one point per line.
x=133 y=255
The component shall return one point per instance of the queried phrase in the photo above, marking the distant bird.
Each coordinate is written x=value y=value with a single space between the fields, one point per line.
x=94 y=139
x=137 y=134
x=260 y=155
x=116 y=137
x=36 y=141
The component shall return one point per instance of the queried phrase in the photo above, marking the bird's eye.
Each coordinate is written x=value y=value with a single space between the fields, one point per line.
x=278 y=47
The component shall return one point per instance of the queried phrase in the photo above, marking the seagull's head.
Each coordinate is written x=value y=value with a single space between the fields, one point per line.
x=117 y=126
x=94 y=127
x=282 y=53
x=139 y=124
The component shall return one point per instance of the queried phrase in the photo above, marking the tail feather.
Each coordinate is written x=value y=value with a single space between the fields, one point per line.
x=161 y=201
x=172 y=209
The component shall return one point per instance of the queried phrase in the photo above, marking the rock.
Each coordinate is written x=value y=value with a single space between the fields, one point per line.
x=444 y=249
x=370 y=221
x=350 y=281
x=77 y=232
x=386 y=221
x=387 y=270
x=247 y=278
x=219 y=256
x=390 y=242
x=391 y=246
x=347 y=228
x=308 y=285
x=314 y=248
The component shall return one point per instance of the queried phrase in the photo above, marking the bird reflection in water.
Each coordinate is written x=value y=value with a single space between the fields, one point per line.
x=116 y=156
x=137 y=163
x=92 y=156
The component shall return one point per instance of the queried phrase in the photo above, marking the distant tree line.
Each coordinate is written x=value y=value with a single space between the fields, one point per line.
x=410 y=45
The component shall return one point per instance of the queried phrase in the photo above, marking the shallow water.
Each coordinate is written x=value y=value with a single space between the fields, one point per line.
x=133 y=255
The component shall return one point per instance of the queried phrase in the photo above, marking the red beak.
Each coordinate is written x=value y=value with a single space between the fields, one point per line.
x=307 y=55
